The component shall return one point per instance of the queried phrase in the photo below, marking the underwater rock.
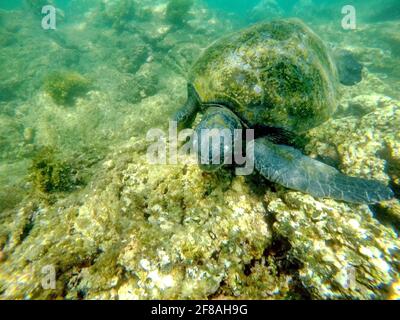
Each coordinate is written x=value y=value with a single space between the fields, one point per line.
x=13 y=182
x=144 y=83
x=118 y=14
x=173 y=231
x=362 y=104
x=392 y=155
x=392 y=40
x=360 y=143
x=379 y=49
x=132 y=59
x=152 y=231
x=24 y=56
x=177 y=12
x=64 y=87
x=345 y=252
x=49 y=174
x=329 y=237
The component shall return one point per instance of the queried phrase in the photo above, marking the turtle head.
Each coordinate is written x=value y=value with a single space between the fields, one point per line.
x=215 y=137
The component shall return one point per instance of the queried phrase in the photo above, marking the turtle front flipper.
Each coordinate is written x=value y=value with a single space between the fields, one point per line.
x=186 y=115
x=290 y=168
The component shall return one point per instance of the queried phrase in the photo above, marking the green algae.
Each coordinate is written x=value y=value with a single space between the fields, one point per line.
x=278 y=74
x=50 y=174
x=65 y=86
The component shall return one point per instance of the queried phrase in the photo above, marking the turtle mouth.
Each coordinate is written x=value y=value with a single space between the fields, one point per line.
x=211 y=159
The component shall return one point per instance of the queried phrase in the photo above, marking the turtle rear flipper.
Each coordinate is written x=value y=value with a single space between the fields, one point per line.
x=290 y=168
x=186 y=115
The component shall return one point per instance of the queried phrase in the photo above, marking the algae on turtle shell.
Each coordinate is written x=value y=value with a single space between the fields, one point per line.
x=276 y=74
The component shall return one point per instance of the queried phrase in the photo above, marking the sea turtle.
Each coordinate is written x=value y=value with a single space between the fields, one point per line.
x=276 y=78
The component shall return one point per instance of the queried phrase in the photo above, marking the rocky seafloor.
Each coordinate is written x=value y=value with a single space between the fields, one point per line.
x=78 y=193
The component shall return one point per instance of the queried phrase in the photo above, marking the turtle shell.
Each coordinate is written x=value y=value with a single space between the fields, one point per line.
x=276 y=74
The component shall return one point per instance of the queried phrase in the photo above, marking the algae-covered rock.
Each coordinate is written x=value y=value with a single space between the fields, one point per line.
x=118 y=14
x=65 y=86
x=348 y=251
x=390 y=11
x=360 y=144
x=143 y=231
x=177 y=11
x=345 y=251
x=51 y=174
x=142 y=84
x=362 y=104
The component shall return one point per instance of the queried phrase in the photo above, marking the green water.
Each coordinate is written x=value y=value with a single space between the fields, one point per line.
x=77 y=99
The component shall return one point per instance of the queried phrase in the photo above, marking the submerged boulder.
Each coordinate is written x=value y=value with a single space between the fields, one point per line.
x=172 y=231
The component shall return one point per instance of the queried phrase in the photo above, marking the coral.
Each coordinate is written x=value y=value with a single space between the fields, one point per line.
x=65 y=86
x=178 y=11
